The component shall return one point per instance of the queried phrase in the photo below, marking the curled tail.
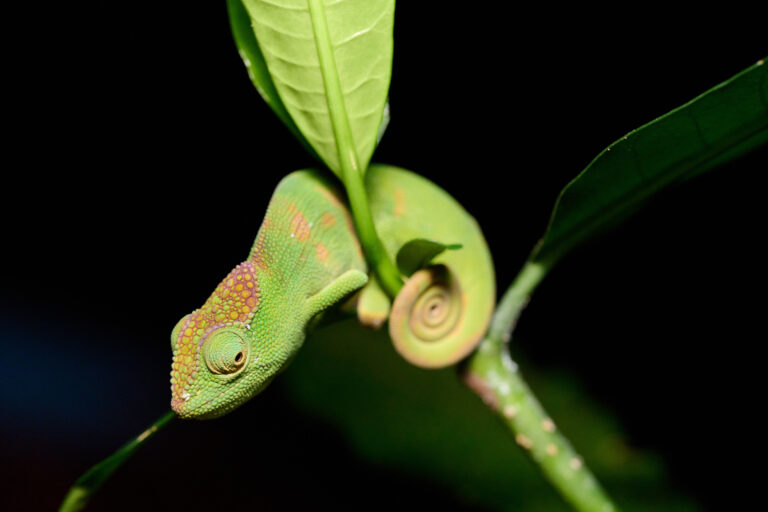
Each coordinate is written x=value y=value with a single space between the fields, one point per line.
x=445 y=307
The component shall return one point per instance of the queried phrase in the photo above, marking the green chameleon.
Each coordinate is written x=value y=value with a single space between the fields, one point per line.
x=306 y=258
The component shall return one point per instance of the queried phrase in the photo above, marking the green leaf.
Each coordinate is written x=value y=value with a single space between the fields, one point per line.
x=384 y=123
x=254 y=62
x=330 y=63
x=719 y=125
x=417 y=253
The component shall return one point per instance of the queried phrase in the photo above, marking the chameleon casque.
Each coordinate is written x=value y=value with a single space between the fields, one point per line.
x=306 y=258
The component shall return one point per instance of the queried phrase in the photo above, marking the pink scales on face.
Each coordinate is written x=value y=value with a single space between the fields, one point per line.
x=234 y=301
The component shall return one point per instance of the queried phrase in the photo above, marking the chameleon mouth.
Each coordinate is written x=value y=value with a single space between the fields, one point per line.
x=180 y=404
x=178 y=408
x=186 y=408
x=201 y=410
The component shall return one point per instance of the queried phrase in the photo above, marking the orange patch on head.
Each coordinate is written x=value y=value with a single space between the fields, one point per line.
x=300 y=227
x=399 y=202
x=322 y=252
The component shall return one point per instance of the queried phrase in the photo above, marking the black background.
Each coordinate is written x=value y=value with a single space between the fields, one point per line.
x=139 y=161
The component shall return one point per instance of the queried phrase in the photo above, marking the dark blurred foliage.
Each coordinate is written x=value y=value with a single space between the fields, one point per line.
x=138 y=164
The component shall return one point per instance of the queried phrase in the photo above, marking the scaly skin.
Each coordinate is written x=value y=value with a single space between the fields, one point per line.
x=306 y=258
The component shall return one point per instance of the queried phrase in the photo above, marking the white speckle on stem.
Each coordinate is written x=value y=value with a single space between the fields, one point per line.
x=485 y=348
x=576 y=463
x=548 y=425
x=551 y=449
x=510 y=411
x=493 y=379
x=508 y=363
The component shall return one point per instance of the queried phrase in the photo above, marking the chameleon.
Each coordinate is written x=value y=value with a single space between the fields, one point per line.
x=306 y=259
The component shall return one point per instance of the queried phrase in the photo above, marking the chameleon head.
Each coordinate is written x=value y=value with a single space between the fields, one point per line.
x=217 y=361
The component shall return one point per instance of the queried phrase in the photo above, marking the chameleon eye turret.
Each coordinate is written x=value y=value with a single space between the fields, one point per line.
x=226 y=351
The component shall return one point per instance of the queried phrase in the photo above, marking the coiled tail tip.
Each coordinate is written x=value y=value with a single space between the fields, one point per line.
x=429 y=323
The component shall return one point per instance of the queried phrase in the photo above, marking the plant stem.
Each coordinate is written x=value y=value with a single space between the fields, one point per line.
x=86 y=485
x=351 y=174
x=513 y=301
x=493 y=375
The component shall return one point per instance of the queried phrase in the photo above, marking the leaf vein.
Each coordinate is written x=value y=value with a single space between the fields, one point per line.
x=274 y=28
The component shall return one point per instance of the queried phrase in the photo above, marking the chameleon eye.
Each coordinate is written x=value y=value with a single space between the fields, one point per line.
x=226 y=351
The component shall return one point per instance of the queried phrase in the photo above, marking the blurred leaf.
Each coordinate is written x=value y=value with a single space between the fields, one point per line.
x=359 y=33
x=417 y=253
x=721 y=124
x=427 y=424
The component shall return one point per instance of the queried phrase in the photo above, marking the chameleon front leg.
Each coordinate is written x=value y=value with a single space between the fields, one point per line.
x=348 y=282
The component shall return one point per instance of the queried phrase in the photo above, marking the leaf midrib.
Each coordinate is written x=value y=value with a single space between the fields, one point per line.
x=334 y=95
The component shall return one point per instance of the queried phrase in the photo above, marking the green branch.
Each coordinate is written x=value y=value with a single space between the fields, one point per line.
x=493 y=375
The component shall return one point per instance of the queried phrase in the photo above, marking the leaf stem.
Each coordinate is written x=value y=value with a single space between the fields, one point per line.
x=91 y=480
x=493 y=375
x=351 y=174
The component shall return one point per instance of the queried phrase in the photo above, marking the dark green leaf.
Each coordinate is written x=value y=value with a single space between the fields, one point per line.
x=417 y=253
x=719 y=125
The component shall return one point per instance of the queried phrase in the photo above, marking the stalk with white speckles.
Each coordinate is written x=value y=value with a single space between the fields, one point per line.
x=493 y=375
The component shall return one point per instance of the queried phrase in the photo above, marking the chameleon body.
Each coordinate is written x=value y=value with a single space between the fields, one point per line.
x=306 y=258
